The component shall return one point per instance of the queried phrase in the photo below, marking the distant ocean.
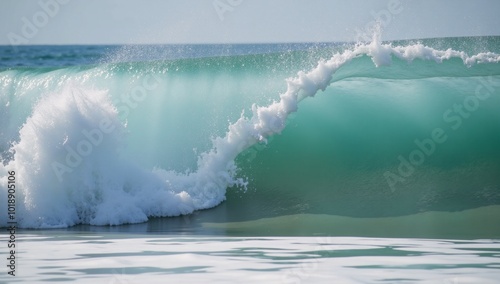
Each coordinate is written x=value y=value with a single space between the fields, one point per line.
x=268 y=163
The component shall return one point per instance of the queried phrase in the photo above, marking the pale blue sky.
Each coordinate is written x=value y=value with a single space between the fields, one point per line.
x=238 y=21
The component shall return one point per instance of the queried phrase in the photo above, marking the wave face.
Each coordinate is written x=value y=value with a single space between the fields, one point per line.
x=393 y=129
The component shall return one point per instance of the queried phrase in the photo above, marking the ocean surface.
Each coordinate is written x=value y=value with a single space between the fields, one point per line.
x=269 y=163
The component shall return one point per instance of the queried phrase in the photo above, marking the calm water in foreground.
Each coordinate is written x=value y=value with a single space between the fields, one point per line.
x=55 y=256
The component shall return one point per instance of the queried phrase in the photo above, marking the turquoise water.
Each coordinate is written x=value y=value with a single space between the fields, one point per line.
x=379 y=163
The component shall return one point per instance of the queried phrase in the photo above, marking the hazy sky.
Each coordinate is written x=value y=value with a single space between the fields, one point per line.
x=239 y=21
